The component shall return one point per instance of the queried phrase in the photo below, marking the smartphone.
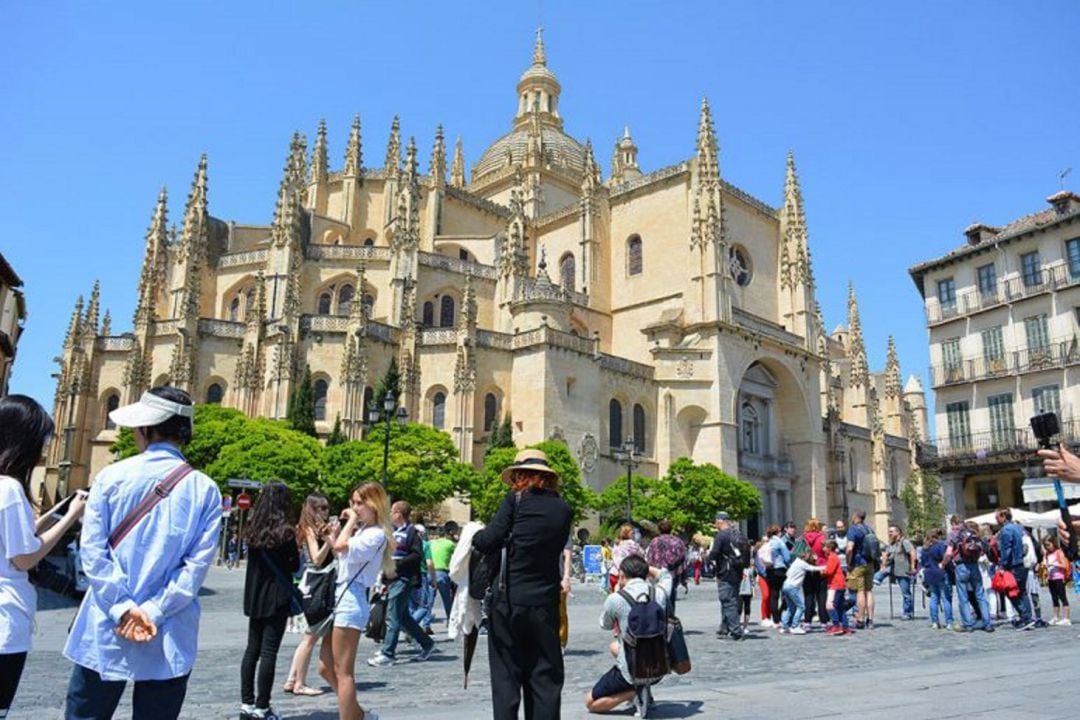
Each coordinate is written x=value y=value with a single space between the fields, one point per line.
x=60 y=508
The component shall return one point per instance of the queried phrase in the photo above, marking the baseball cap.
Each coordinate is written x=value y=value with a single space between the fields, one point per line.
x=149 y=411
x=722 y=516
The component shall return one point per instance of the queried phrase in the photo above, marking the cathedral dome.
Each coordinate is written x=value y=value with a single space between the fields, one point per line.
x=559 y=150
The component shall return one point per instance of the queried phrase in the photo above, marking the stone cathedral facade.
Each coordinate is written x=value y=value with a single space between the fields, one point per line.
x=666 y=306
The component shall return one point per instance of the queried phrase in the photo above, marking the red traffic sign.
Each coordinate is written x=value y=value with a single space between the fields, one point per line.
x=243 y=501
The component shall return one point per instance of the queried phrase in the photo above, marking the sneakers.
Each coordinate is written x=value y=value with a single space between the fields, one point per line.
x=1028 y=626
x=848 y=631
x=380 y=660
x=988 y=628
x=1064 y=621
x=961 y=629
x=783 y=630
x=934 y=626
x=767 y=623
x=643 y=701
x=835 y=631
x=1054 y=621
x=250 y=712
x=369 y=715
x=797 y=631
x=427 y=653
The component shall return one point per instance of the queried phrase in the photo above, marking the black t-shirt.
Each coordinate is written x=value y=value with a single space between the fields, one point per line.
x=268 y=583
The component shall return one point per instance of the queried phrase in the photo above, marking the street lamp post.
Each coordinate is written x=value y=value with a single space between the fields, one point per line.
x=628 y=457
x=388 y=412
x=64 y=478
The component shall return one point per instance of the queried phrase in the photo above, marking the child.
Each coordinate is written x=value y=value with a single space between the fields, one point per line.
x=837 y=586
x=793 y=594
x=1057 y=569
x=746 y=593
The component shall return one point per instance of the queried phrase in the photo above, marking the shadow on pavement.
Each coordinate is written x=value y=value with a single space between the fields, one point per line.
x=674 y=709
x=581 y=653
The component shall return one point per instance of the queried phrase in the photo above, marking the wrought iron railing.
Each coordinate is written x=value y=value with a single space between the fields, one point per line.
x=1057 y=354
x=974 y=299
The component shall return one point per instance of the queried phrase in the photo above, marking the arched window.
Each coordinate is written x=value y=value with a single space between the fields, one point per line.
x=639 y=428
x=369 y=242
x=566 y=271
x=111 y=403
x=634 y=262
x=234 y=309
x=490 y=410
x=462 y=254
x=368 y=304
x=249 y=303
x=345 y=298
x=324 y=304
x=429 y=314
x=446 y=311
x=320 y=388
x=614 y=424
x=438 y=410
x=751 y=429
x=214 y=394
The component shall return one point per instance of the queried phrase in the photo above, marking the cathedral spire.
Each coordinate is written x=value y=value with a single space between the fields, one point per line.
x=893 y=388
x=410 y=161
x=153 y=267
x=438 y=159
x=796 y=268
x=353 y=157
x=857 y=350
x=257 y=312
x=319 y=159
x=193 y=235
x=106 y=324
x=392 y=166
x=285 y=227
x=707 y=154
x=539 y=54
x=75 y=324
x=590 y=179
x=457 y=170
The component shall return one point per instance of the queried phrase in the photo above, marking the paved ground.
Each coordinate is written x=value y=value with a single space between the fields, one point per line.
x=902 y=669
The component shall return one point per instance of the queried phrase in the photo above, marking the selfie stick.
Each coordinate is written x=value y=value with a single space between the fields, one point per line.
x=1066 y=517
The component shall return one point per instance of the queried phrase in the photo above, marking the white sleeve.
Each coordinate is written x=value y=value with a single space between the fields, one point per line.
x=17 y=532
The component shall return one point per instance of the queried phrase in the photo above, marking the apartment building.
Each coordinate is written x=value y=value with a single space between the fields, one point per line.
x=1002 y=312
x=12 y=317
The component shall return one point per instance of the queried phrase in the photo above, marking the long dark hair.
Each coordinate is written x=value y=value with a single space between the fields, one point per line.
x=313 y=515
x=269 y=525
x=24 y=426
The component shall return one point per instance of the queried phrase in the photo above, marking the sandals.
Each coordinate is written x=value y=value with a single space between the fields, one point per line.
x=307 y=691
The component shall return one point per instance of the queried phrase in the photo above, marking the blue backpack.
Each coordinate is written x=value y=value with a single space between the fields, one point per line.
x=645 y=638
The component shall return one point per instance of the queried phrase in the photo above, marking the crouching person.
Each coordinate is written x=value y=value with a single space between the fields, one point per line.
x=617 y=686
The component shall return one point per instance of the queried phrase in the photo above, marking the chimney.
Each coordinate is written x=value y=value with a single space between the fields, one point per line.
x=1064 y=202
x=979 y=233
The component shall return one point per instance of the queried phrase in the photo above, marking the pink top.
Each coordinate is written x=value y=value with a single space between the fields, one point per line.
x=1057 y=572
x=622 y=550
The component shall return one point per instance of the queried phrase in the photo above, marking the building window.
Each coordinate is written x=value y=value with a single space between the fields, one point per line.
x=324 y=304
x=751 y=429
x=234 y=309
x=615 y=424
x=462 y=254
x=1002 y=429
x=566 y=271
x=1038 y=336
x=491 y=408
x=367 y=304
x=320 y=388
x=853 y=476
x=993 y=349
x=438 y=410
x=429 y=314
x=946 y=293
x=214 y=394
x=958 y=418
x=1072 y=251
x=986 y=494
x=111 y=403
x=988 y=280
x=345 y=298
x=894 y=476
x=639 y=428
x=739 y=266
x=368 y=393
x=446 y=312
x=1046 y=399
x=249 y=303
x=1032 y=273
x=950 y=357
x=634 y=262
x=369 y=242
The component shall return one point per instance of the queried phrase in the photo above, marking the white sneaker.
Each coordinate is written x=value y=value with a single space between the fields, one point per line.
x=1064 y=621
x=380 y=660
x=1052 y=621
x=766 y=623
x=370 y=715
x=797 y=631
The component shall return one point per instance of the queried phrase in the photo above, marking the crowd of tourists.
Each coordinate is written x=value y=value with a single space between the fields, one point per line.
x=150 y=532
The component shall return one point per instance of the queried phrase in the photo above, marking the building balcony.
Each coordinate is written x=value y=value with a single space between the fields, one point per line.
x=959 y=449
x=1058 y=354
x=971 y=300
x=764 y=465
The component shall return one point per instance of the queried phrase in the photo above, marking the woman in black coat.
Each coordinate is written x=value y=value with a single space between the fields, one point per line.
x=533 y=523
x=273 y=557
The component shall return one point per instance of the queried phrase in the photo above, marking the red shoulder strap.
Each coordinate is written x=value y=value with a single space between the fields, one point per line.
x=159 y=493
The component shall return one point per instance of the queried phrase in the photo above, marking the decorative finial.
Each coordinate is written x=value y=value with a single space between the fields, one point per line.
x=539 y=56
x=543 y=258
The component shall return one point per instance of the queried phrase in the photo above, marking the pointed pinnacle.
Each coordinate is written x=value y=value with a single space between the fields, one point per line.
x=539 y=54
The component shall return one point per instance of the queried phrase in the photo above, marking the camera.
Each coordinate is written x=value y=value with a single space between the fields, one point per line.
x=1045 y=426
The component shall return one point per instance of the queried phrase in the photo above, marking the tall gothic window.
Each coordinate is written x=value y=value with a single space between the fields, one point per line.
x=639 y=428
x=490 y=410
x=368 y=393
x=634 y=262
x=321 y=386
x=567 y=271
x=214 y=394
x=446 y=311
x=429 y=314
x=345 y=298
x=234 y=309
x=324 y=304
x=111 y=403
x=249 y=303
x=368 y=303
x=438 y=410
x=614 y=423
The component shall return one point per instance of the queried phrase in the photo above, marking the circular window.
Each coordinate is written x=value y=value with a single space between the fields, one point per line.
x=739 y=266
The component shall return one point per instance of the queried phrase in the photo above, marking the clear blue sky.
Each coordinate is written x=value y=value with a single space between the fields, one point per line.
x=908 y=121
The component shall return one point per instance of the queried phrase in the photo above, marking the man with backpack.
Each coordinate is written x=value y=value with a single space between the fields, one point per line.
x=863 y=555
x=902 y=566
x=731 y=555
x=965 y=549
x=636 y=612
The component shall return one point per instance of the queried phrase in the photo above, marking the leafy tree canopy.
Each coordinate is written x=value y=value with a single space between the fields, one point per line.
x=270 y=450
x=924 y=501
x=336 y=437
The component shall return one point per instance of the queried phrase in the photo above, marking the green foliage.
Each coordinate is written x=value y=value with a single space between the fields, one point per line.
x=336 y=436
x=124 y=445
x=489 y=490
x=301 y=412
x=215 y=427
x=689 y=496
x=925 y=504
x=390 y=382
x=270 y=450
x=502 y=435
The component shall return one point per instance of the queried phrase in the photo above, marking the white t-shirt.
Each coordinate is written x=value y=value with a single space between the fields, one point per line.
x=18 y=600
x=365 y=547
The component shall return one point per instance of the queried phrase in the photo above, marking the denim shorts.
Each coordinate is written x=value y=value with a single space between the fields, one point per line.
x=611 y=683
x=352 y=610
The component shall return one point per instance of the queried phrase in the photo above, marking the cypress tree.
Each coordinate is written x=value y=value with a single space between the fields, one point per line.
x=301 y=413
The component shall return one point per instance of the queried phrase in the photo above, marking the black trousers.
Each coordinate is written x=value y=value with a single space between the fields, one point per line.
x=11 y=667
x=264 y=640
x=775 y=580
x=815 y=588
x=525 y=661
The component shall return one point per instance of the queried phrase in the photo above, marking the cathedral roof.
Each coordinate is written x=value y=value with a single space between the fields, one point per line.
x=560 y=150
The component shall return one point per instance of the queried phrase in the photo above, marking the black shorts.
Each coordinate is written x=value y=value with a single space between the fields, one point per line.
x=610 y=684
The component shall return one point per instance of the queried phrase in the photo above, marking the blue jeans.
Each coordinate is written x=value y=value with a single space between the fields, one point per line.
x=447 y=588
x=908 y=598
x=941 y=598
x=421 y=603
x=838 y=614
x=1022 y=602
x=398 y=618
x=968 y=579
x=91 y=698
x=795 y=606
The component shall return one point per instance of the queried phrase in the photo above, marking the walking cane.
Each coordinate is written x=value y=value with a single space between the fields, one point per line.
x=892 y=616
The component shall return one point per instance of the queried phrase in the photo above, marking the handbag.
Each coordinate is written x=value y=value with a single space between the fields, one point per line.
x=678 y=652
x=317 y=596
x=376 y=626
x=296 y=605
x=1004 y=581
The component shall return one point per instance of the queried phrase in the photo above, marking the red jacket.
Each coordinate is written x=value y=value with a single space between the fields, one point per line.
x=815 y=540
x=834 y=574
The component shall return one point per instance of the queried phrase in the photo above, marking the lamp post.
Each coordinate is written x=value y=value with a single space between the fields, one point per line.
x=388 y=412
x=69 y=435
x=628 y=457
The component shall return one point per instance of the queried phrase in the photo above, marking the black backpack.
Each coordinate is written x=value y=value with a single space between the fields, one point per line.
x=871 y=549
x=485 y=568
x=970 y=546
x=736 y=554
x=645 y=638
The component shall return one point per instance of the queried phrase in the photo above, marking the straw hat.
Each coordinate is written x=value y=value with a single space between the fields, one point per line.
x=528 y=459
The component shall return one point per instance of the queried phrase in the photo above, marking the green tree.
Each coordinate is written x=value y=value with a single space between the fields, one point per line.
x=489 y=490
x=390 y=382
x=336 y=437
x=214 y=427
x=502 y=436
x=651 y=499
x=301 y=412
x=925 y=504
x=270 y=450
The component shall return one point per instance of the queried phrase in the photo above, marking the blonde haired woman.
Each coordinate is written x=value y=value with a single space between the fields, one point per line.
x=363 y=548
